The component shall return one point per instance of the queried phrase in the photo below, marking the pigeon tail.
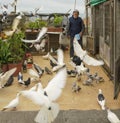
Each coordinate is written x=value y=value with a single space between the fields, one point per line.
x=47 y=115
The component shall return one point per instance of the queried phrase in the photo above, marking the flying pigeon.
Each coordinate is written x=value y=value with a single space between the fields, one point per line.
x=38 y=39
x=101 y=99
x=60 y=60
x=12 y=104
x=45 y=96
x=112 y=117
x=84 y=55
x=4 y=77
x=15 y=24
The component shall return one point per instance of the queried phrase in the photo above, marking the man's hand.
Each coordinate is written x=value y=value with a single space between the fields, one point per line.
x=81 y=34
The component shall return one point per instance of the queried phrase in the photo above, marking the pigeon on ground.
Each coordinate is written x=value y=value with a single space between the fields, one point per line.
x=34 y=75
x=5 y=76
x=84 y=55
x=27 y=82
x=75 y=87
x=39 y=70
x=88 y=82
x=20 y=78
x=38 y=39
x=12 y=104
x=9 y=82
x=44 y=97
x=101 y=99
x=112 y=117
x=48 y=71
x=72 y=73
x=97 y=78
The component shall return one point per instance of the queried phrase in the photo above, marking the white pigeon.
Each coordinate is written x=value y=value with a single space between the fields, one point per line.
x=84 y=55
x=38 y=39
x=34 y=75
x=12 y=104
x=15 y=24
x=101 y=99
x=112 y=117
x=45 y=97
x=4 y=78
x=60 y=60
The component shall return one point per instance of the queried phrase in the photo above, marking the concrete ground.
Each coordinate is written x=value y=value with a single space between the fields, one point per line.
x=82 y=106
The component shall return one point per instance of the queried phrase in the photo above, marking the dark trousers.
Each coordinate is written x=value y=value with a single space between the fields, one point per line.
x=72 y=47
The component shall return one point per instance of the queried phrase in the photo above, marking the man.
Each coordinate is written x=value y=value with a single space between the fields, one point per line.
x=75 y=28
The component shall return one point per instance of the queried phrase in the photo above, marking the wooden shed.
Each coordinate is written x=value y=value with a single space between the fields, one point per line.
x=105 y=16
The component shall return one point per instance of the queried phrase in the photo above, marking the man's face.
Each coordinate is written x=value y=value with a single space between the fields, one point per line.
x=75 y=14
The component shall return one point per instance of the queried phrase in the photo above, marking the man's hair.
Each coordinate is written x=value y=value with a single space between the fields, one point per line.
x=76 y=11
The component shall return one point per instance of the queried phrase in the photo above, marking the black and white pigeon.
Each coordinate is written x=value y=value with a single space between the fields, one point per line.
x=20 y=78
x=5 y=76
x=39 y=70
x=84 y=55
x=112 y=117
x=9 y=82
x=101 y=99
x=25 y=82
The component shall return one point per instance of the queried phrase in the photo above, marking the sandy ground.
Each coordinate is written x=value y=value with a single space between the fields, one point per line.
x=86 y=99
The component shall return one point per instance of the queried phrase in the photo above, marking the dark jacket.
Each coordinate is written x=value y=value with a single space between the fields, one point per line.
x=76 y=25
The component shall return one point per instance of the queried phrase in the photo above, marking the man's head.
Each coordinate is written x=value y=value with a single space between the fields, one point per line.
x=75 y=13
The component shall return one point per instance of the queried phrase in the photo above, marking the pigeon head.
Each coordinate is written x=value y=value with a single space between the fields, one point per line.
x=100 y=91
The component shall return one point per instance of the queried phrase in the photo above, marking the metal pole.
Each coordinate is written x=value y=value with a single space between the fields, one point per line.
x=86 y=17
x=75 y=5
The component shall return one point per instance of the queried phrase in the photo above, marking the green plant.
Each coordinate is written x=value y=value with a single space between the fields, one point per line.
x=57 y=20
x=36 y=24
x=4 y=52
x=17 y=48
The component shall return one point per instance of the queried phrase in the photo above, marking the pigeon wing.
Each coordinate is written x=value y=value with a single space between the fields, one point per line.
x=92 y=61
x=60 y=57
x=55 y=86
x=41 y=33
x=78 y=49
x=6 y=75
x=34 y=96
x=84 y=56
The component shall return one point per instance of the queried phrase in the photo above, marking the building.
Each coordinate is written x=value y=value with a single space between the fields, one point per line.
x=105 y=16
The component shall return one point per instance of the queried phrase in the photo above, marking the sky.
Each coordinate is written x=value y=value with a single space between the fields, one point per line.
x=47 y=6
